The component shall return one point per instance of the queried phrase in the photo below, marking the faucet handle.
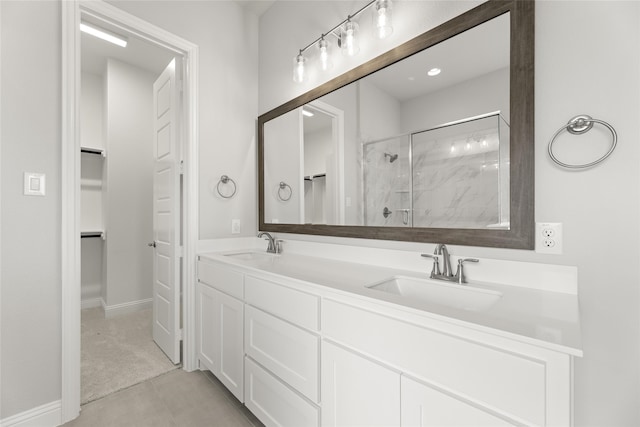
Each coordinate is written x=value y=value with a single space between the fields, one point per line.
x=278 y=245
x=460 y=278
x=435 y=271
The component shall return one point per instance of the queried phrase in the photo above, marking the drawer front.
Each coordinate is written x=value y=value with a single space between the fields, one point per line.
x=494 y=378
x=295 y=306
x=274 y=403
x=289 y=352
x=222 y=278
x=425 y=406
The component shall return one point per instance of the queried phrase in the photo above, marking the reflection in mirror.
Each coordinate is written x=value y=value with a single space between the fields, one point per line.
x=456 y=175
x=395 y=150
x=385 y=113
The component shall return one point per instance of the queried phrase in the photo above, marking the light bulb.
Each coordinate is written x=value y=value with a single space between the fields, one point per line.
x=349 y=38
x=299 y=72
x=325 y=59
x=382 y=18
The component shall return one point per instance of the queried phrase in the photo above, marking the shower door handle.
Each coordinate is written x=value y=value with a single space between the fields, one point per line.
x=152 y=244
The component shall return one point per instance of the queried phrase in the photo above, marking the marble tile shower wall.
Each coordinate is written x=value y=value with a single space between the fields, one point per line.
x=455 y=180
x=387 y=183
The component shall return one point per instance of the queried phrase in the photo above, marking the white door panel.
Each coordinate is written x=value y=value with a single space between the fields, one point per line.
x=166 y=214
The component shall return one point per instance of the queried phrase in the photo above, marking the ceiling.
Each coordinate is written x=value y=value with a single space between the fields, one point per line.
x=138 y=52
x=473 y=53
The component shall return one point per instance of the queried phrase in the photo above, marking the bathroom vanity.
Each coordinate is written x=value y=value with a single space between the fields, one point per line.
x=308 y=341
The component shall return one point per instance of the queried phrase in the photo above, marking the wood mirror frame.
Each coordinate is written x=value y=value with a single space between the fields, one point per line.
x=522 y=226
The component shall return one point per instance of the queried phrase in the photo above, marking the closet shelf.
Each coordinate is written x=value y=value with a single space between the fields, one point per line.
x=88 y=150
x=88 y=234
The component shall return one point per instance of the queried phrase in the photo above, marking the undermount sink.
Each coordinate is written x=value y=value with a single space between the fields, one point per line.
x=251 y=256
x=463 y=297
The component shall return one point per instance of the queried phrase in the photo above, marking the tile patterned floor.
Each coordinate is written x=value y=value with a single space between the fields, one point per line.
x=178 y=398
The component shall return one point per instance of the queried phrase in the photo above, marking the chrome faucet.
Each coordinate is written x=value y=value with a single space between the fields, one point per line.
x=447 y=273
x=273 y=247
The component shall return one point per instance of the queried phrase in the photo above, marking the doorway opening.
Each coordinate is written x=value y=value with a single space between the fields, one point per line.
x=116 y=215
x=155 y=173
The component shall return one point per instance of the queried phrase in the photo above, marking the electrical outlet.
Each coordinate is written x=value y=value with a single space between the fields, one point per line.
x=235 y=226
x=549 y=238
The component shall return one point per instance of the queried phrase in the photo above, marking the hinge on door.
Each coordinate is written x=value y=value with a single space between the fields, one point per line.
x=180 y=334
x=181 y=167
x=181 y=251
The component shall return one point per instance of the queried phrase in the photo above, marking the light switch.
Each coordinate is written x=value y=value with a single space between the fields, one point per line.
x=34 y=184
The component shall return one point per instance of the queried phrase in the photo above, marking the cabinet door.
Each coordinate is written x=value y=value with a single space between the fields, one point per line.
x=357 y=391
x=426 y=406
x=231 y=329
x=221 y=337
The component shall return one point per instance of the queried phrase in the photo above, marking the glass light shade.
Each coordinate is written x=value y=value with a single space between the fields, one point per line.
x=324 y=54
x=382 y=18
x=299 y=71
x=349 y=38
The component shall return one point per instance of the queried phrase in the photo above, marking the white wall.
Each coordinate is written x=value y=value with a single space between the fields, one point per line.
x=227 y=37
x=481 y=95
x=31 y=116
x=130 y=170
x=601 y=80
x=30 y=276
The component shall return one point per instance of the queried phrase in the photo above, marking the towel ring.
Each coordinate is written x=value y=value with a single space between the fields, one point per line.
x=224 y=179
x=282 y=186
x=577 y=126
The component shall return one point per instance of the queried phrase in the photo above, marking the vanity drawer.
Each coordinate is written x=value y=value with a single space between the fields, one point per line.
x=289 y=352
x=494 y=378
x=295 y=306
x=222 y=278
x=274 y=403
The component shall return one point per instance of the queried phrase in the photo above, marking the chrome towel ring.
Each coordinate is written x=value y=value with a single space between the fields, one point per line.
x=577 y=126
x=283 y=186
x=224 y=179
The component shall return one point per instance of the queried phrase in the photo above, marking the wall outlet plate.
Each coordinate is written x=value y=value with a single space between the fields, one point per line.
x=34 y=184
x=235 y=226
x=549 y=238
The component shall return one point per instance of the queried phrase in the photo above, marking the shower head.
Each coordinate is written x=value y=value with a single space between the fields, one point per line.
x=392 y=157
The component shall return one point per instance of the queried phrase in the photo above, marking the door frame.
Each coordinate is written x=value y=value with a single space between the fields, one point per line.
x=70 y=184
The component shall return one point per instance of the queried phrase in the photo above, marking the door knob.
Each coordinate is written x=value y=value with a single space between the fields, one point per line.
x=152 y=244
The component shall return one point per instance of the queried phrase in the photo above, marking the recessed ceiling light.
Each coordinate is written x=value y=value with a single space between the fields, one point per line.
x=307 y=113
x=434 y=72
x=104 y=35
x=411 y=79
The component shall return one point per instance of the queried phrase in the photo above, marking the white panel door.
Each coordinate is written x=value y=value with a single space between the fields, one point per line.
x=166 y=214
x=357 y=391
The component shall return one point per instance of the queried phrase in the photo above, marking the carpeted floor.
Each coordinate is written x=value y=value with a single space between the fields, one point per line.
x=118 y=353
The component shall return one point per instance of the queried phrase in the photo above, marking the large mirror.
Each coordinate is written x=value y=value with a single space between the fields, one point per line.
x=389 y=151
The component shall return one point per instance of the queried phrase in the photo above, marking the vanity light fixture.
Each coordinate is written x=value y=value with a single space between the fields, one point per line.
x=324 y=51
x=347 y=35
x=299 y=72
x=434 y=72
x=382 y=18
x=349 y=38
x=103 y=34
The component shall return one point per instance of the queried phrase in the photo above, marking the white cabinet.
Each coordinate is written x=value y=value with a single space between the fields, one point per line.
x=357 y=391
x=520 y=383
x=220 y=336
x=290 y=352
x=273 y=402
x=267 y=337
x=423 y=406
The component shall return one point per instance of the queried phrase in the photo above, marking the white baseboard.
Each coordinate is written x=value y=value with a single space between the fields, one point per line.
x=127 y=307
x=46 y=415
x=91 y=303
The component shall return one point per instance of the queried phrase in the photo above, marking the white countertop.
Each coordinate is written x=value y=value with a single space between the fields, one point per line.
x=543 y=318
